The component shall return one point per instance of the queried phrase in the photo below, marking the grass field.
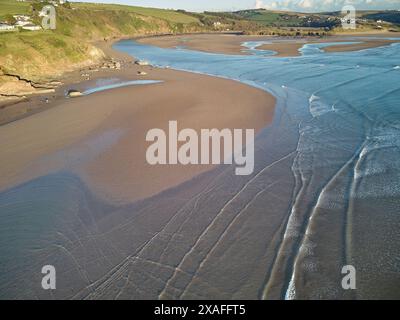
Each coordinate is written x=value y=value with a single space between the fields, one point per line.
x=13 y=7
x=16 y=7
x=169 y=15
x=270 y=18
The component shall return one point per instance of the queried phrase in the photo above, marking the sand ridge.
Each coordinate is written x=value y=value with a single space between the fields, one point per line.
x=232 y=44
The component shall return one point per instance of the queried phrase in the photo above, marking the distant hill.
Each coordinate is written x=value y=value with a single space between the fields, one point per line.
x=288 y=19
x=366 y=20
x=392 y=16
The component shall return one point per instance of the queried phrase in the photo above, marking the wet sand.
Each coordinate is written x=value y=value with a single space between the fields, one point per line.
x=359 y=46
x=231 y=44
x=291 y=49
x=76 y=190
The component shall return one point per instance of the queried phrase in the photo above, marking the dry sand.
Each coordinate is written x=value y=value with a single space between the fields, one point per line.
x=231 y=44
x=102 y=136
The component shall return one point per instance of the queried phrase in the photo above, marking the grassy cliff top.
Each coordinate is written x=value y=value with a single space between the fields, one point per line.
x=169 y=15
x=44 y=53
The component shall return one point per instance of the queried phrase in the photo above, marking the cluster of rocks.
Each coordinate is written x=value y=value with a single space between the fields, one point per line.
x=111 y=65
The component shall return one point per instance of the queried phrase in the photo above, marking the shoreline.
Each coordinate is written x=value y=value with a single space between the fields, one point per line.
x=16 y=108
x=101 y=137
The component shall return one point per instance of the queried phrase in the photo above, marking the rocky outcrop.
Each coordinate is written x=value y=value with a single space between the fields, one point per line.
x=111 y=65
x=15 y=86
x=74 y=93
x=142 y=63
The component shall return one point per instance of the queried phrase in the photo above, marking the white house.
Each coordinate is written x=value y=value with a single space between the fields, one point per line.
x=21 y=23
x=31 y=27
x=21 y=18
x=57 y=2
x=6 y=27
x=217 y=24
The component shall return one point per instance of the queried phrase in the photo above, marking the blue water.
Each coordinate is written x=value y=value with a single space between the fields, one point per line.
x=107 y=86
x=339 y=113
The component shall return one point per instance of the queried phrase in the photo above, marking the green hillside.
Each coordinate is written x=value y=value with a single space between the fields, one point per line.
x=288 y=19
x=169 y=15
x=36 y=54
x=392 y=16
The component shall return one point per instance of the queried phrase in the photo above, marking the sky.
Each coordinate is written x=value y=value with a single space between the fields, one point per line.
x=232 y=5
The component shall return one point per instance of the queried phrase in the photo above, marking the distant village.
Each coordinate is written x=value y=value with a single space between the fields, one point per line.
x=23 y=21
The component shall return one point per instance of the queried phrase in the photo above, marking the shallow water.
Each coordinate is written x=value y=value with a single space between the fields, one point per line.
x=345 y=207
x=105 y=85
x=113 y=83
x=324 y=193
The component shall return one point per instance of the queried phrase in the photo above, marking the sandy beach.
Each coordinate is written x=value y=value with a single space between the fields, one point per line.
x=101 y=136
x=77 y=192
x=118 y=172
x=231 y=44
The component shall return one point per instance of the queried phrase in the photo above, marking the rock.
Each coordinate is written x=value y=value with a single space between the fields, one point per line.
x=117 y=65
x=55 y=83
x=142 y=73
x=142 y=62
x=74 y=93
